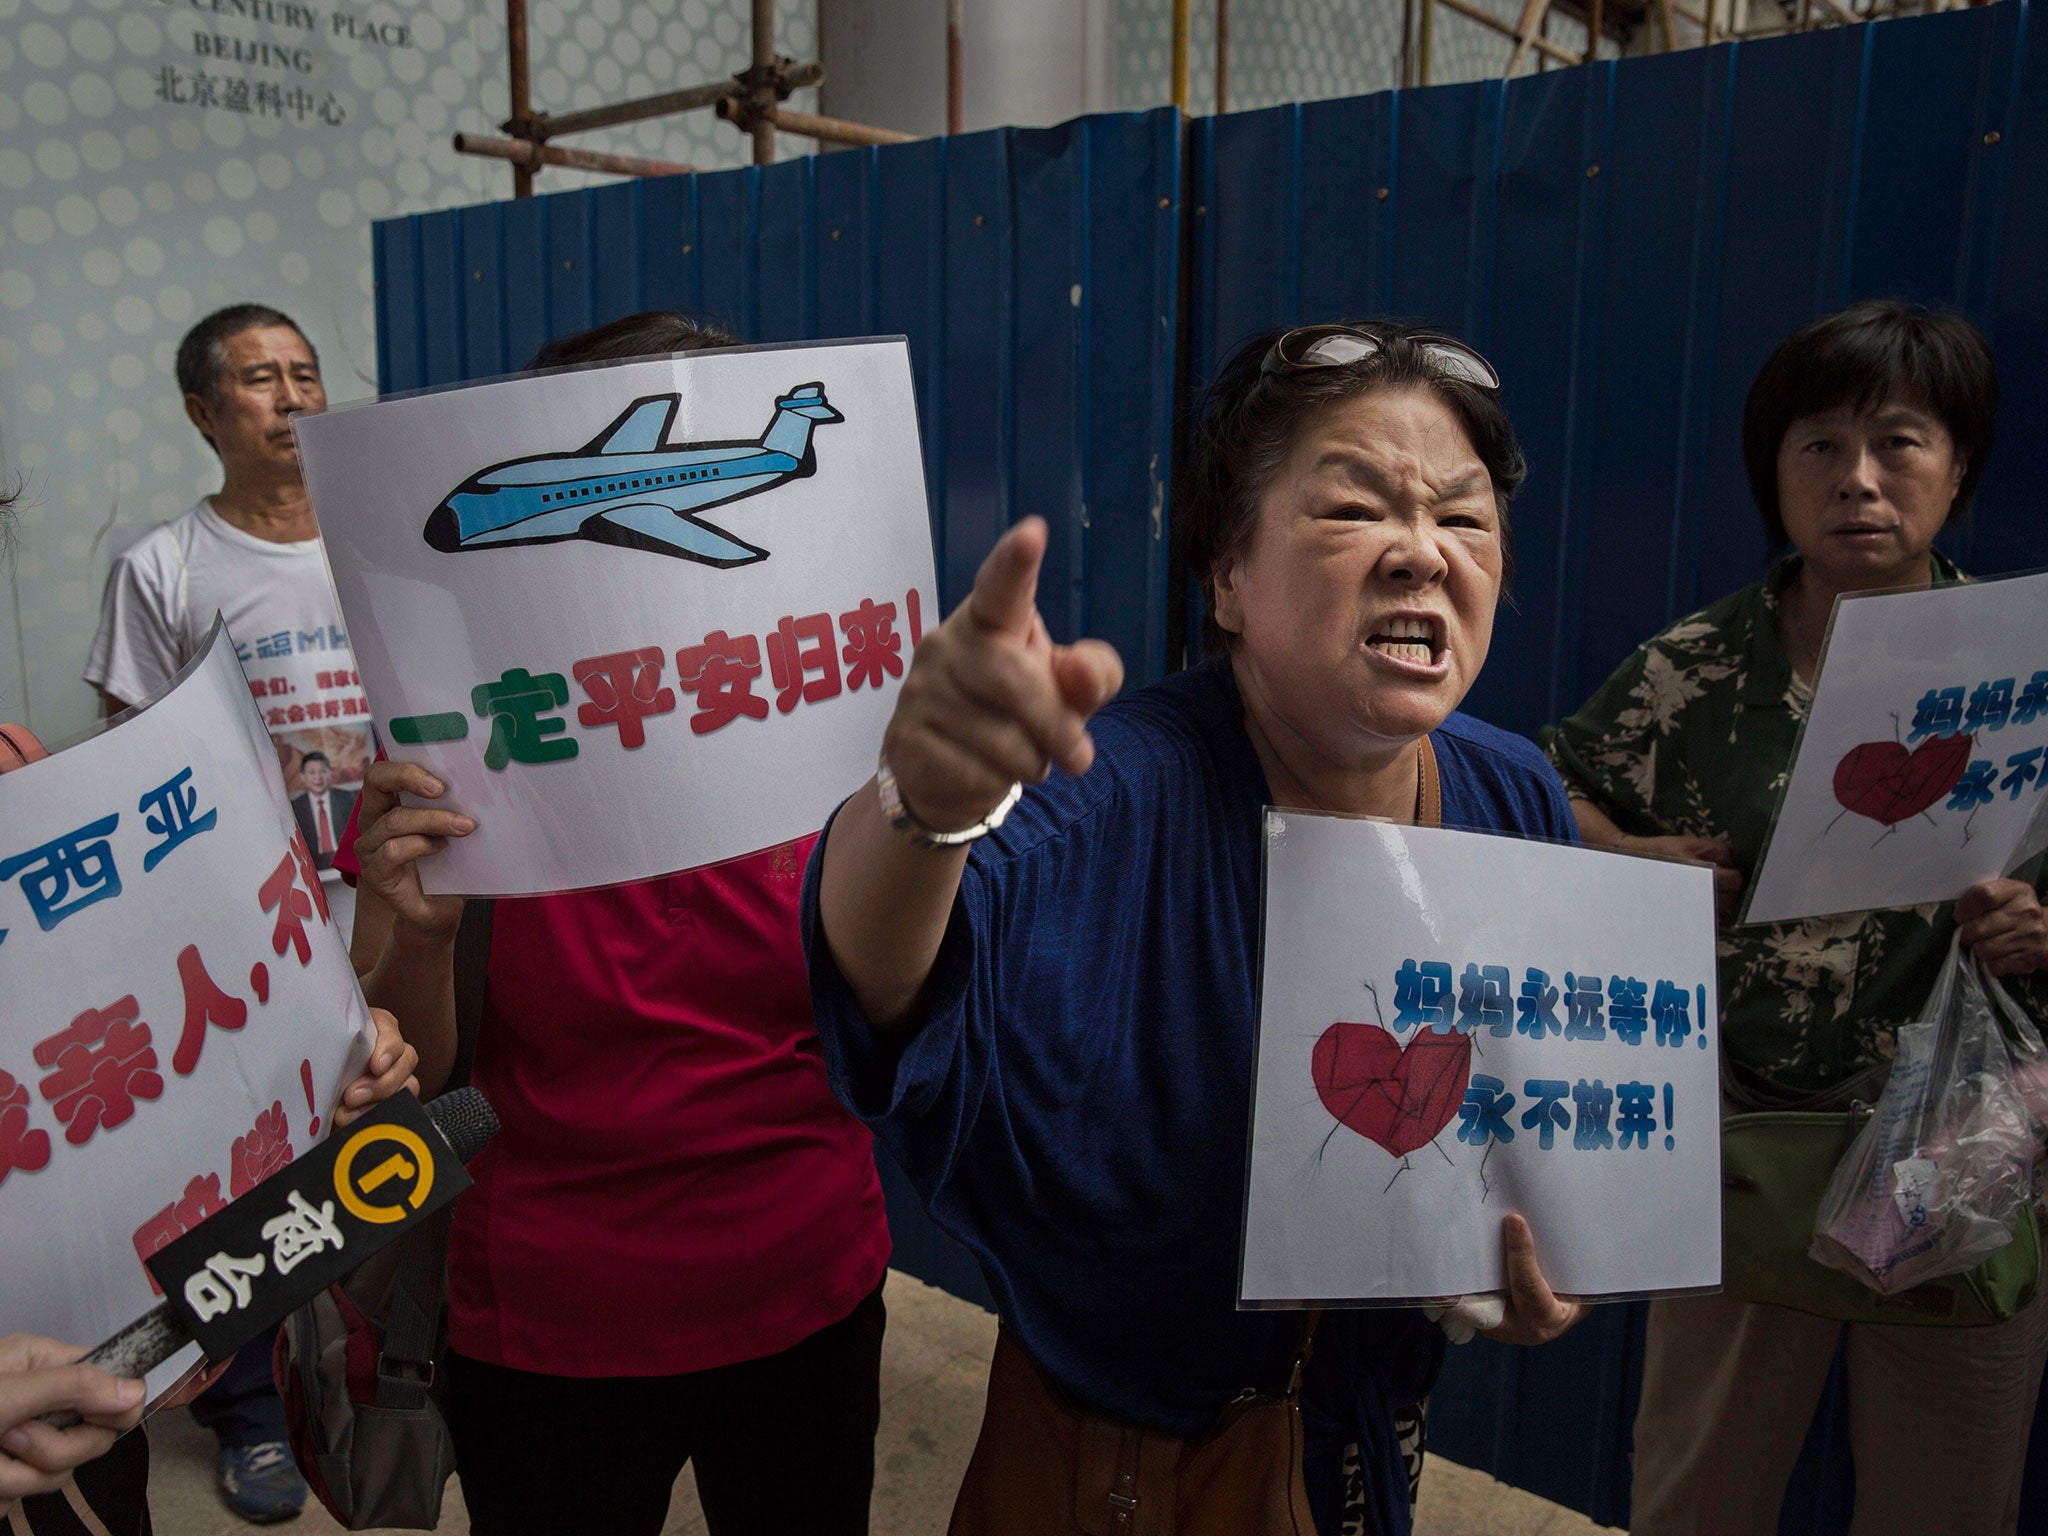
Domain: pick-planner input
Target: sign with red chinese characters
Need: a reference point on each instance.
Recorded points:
(180, 1015)
(638, 618)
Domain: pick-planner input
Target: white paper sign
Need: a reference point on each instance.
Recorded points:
(180, 1016)
(1454, 1026)
(1925, 756)
(638, 618)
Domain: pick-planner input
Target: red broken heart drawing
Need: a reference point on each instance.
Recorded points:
(1400, 1099)
(1885, 782)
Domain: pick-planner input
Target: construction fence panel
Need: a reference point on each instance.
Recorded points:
(1627, 243)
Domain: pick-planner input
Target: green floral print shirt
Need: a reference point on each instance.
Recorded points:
(1694, 735)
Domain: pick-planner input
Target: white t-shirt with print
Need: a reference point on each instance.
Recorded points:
(278, 600)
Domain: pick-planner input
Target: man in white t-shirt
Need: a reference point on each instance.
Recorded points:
(250, 552)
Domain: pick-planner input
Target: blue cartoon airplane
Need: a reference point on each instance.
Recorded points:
(631, 487)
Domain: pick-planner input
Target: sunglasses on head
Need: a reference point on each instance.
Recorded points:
(1335, 346)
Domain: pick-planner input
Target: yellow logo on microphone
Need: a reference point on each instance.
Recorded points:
(388, 1187)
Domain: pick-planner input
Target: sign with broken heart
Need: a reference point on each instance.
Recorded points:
(1453, 1026)
(1923, 765)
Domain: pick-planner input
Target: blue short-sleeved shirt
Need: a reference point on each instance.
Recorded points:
(1075, 1108)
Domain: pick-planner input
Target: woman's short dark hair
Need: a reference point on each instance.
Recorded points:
(1862, 357)
(1247, 420)
(651, 333)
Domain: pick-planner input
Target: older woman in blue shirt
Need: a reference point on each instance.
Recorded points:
(1052, 1025)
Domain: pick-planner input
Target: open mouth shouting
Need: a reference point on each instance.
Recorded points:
(1412, 642)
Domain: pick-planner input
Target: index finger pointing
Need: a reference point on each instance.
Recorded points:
(1005, 595)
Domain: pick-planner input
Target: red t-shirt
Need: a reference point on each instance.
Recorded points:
(674, 1187)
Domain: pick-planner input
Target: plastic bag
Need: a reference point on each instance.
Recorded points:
(2030, 1074)
(1935, 1182)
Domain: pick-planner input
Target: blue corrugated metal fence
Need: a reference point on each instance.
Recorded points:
(1625, 241)
(1034, 271)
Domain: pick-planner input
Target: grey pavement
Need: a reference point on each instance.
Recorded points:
(934, 1366)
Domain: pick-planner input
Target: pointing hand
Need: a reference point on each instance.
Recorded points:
(991, 700)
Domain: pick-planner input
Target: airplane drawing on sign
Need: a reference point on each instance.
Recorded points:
(632, 487)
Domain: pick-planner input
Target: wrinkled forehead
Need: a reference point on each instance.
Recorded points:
(1390, 441)
(279, 344)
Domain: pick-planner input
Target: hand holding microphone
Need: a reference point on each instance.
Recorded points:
(380, 1153)
(38, 1377)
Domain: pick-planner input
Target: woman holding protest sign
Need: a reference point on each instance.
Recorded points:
(1043, 999)
(1865, 434)
(674, 1250)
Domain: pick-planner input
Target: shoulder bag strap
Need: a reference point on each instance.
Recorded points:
(412, 1326)
(1304, 1349)
(1429, 798)
(472, 963)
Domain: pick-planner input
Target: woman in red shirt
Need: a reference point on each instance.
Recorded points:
(674, 1249)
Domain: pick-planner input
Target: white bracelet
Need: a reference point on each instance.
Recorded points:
(898, 814)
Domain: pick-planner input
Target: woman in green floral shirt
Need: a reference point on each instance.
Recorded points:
(1864, 435)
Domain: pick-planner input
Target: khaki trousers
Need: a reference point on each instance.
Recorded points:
(1938, 1418)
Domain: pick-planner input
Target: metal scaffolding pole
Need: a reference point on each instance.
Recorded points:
(665, 105)
(762, 96)
(956, 66)
(1492, 23)
(527, 156)
(522, 101)
(752, 101)
(827, 130)
(1180, 54)
(1222, 56)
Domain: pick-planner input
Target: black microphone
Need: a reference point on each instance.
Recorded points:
(465, 1119)
(466, 1123)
